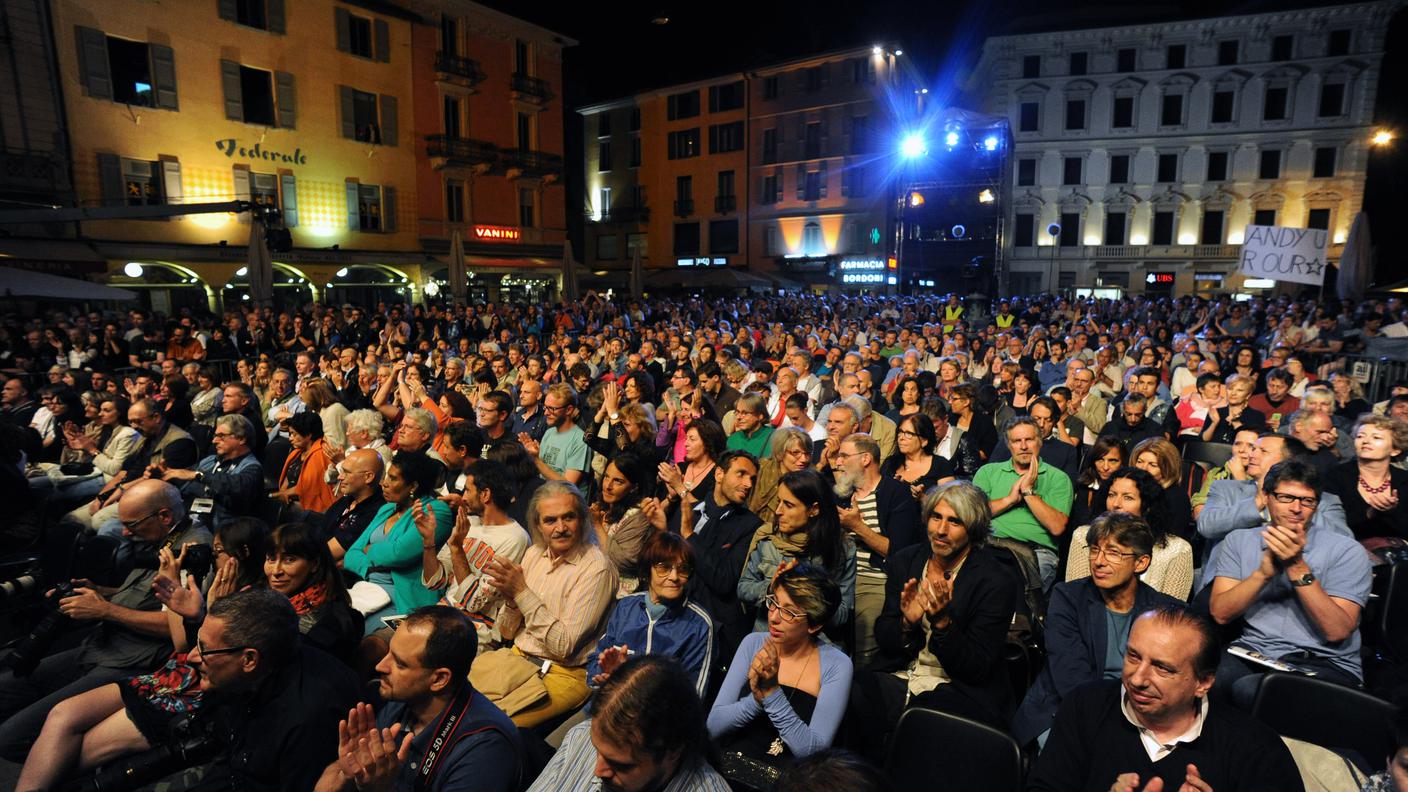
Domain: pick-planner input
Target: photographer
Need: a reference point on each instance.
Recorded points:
(130, 636)
(159, 443)
(230, 482)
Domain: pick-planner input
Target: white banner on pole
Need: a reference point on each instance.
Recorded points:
(1298, 255)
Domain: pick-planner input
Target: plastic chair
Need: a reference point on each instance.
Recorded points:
(1348, 721)
(1208, 455)
(926, 742)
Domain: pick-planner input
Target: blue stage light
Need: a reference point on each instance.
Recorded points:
(913, 146)
(951, 139)
(990, 143)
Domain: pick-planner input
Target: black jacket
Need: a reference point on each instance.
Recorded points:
(720, 552)
(986, 595)
(899, 522)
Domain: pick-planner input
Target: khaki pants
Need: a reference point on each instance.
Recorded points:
(870, 599)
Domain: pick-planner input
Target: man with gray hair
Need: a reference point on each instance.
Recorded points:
(1317, 430)
(841, 422)
(227, 484)
(417, 433)
(874, 424)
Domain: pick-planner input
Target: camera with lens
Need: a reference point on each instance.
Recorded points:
(199, 559)
(188, 745)
(28, 652)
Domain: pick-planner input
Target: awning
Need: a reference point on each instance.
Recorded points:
(49, 250)
(16, 282)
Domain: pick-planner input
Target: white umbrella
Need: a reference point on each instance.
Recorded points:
(261, 267)
(569, 273)
(637, 275)
(1356, 264)
(16, 282)
(459, 283)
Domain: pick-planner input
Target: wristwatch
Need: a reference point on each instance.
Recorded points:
(614, 417)
(1027, 493)
(1304, 580)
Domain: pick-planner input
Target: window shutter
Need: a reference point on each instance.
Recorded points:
(288, 193)
(344, 29)
(825, 130)
(226, 9)
(110, 180)
(388, 209)
(164, 75)
(349, 118)
(285, 99)
(234, 95)
(825, 75)
(354, 216)
(777, 186)
(275, 16)
(382, 45)
(822, 179)
(801, 137)
(171, 183)
(801, 182)
(388, 120)
(242, 189)
(93, 62)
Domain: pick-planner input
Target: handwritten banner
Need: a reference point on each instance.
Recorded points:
(1297, 255)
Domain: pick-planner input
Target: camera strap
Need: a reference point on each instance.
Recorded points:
(450, 721)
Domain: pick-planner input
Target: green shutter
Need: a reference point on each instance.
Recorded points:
(389, 120)
(110, 180)
(93, 62)
(354, 217)
(171, 183)
(284, 100)
(242, 192)
(388, 209)
(381, 48)
(275, 16)
(234, 93)
(349, 117)
(164, 76)
(288, 191)
(344, 29)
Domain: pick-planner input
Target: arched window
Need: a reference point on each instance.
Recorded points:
(812, 242)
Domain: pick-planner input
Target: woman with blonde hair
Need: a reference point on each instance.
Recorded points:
(791, 449)
(317, 395)
(1160, 459)
(1370, 485)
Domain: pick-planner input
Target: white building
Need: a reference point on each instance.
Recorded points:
(1152, 147)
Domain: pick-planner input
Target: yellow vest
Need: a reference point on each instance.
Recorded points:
(952, 314)
(1002, 323)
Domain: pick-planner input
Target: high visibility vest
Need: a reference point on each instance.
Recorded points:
(1004, 323)
(952, 313)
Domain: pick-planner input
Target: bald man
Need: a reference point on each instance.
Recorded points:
(131, 635)
(359, 484)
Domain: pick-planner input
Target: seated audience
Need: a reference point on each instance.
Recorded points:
(1134, 492)
(227, 484)
(303, 480)
(1028, 498)
(622, 527)
(789, 449)
(1369, 485)
(1160, 459)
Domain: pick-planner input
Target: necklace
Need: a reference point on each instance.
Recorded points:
(776, 747)
(1383, 486)
(690, 485)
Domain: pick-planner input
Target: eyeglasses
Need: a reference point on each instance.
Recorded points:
(906, 433)
(1110, 554)
(550, 408)
(1286, 499)
(662, 568)
(132, 524)
(213, 652)
(221, 435)
(788, 614)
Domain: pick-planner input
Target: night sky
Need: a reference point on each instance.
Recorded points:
(623, 50)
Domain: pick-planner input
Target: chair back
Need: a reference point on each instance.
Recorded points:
(1349, 721)
(1209, 455)
(966, 755)
(1393, 614)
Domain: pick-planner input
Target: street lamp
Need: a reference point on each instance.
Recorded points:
(1382, 137)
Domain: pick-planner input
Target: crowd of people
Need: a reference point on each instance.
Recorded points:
(692, 543)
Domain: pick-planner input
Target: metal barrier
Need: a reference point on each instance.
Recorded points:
(1375, 374)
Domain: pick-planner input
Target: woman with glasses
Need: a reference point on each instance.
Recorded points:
(1135, 492)
(806, 529)
(791, 449)
(916, 464)
(661, 619)
(786, 689)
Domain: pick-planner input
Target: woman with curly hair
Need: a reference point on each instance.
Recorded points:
(1136, 492)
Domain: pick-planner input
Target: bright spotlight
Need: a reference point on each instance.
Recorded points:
(132, 270)
(951, 139)
(432, 289)
(924, 90)
(342, 273)
(990, 143)
(913, 145)
(241, 272)
(986, 197)
(899, 52)
(916, 199)
(1383, 137)
(876, 50)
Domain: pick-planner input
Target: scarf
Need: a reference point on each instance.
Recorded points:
(792, 545)
(309, 599)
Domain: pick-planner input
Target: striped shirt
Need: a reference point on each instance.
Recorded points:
(865, 557)
(562, 610)
(573, 769)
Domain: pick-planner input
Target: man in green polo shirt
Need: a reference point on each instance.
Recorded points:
(752, 432)
(1030, 499)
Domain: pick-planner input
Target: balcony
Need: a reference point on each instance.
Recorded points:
(530, 88)
(526, 162)
(457, 69)
(444, 151)
(684, 207)
(723, 204)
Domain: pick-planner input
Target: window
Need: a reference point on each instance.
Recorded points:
(361, 36)
(1217, 166)
(812, 244)
(1119, 169)
(603, 156)
(1122, 112)
(638, 196)
(723, 236)
(1168, 168)
(811, 136)
(364, 117)
(1029, 117)
(1211, 233)
(862, 70)
(1222, 104)
(1031, 66)
(686, 239)
(603, 203)
(770, 87)
(452, 117)
(769, 146)
(1227, 52)
(1331, 100)
(853, 182)
(141, 182)
(1126, 60)
(1080, 63)
(1264, 217)
(1324, 167)
(369, 208)
(263, 189)
(726, 137)
(527, 205)
(1070, 229)
(635, 151)
(449, 35)
(815, 78)
(771, 191)
(525, 132)
(1274, 106)
(260, 14)
(1176, 56)
(725, 97)
(772, 241)
(603, 125)
(860, 134)
(250, 95)
(1114, 227)
(1319, 219)
(682, 105)
(813, 185)
(1338, 44)
(127, 72)
(1075, 114)
(1072, 170)
(1270, 165)
(726, 183)
(634, 124)
(1024, 235)
(131, 70)
(1171, 110)
(454, 201)
(1282, 47)
(684, 144)
(1163, 229)
(637, 242)
(1026, 172)
(608, 247)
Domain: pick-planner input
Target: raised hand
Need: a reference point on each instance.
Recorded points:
(226, 580)
(610, 659)
(461, 529)
(911, 605)
(762, 672)
(506, 576)
(425, 521)
(653, 512)
(184, 601)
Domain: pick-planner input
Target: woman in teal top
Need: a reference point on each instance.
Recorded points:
(388, 554)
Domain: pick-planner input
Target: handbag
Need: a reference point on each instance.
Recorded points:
(744, 771)
(508, 679)
(368, 597)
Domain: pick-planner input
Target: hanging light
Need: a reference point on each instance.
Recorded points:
(132, 270)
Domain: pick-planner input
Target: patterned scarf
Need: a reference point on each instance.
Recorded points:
(309, 599)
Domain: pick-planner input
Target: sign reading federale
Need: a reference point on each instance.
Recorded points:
(231, 148)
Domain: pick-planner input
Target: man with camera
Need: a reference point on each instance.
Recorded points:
(129, 633)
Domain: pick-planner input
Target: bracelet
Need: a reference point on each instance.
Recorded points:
(429, 547)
